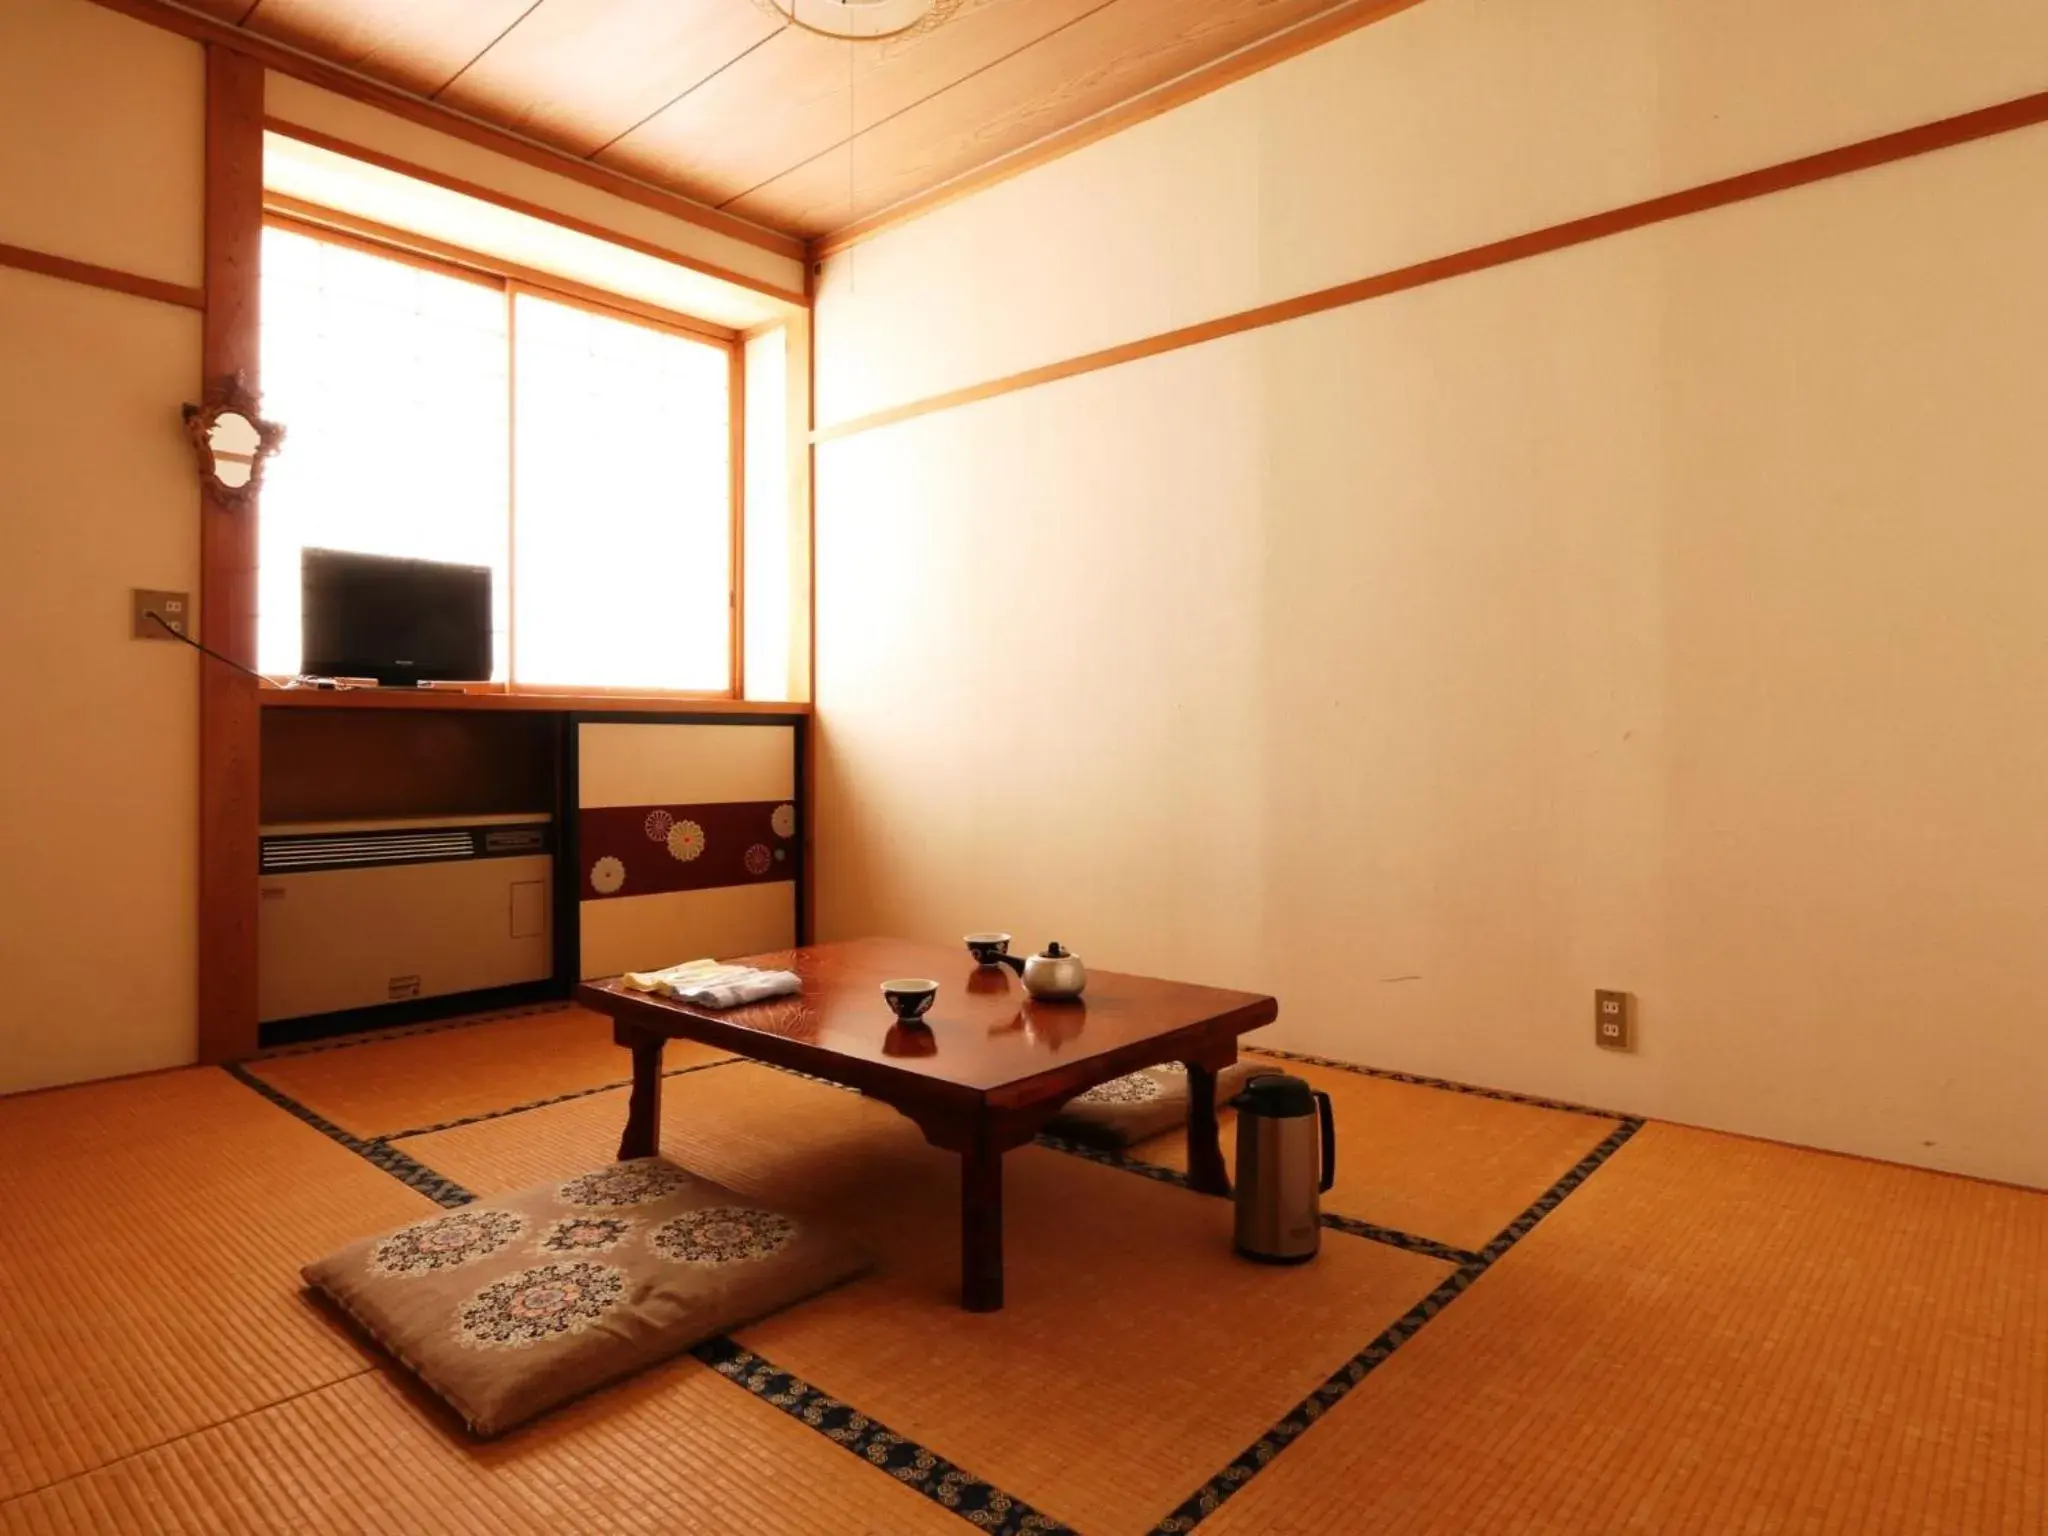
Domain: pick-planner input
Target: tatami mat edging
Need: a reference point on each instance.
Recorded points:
(552, 1099)
(1351, 1226)
(1207, 1499)
(436, 1187)
(409, 1031)
(1417, 1080)
(974, 1499)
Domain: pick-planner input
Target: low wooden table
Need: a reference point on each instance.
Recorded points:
(988, 1070)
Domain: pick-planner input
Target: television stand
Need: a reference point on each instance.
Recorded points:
(612, 776)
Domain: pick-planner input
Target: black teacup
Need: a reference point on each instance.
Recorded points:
(988, 948)
(910, 998)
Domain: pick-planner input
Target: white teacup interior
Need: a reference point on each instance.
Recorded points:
(910, 984)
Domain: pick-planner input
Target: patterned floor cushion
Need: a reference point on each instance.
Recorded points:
(512, 1305)
(1129, 1109)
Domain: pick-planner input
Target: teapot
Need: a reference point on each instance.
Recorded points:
(1055, 975)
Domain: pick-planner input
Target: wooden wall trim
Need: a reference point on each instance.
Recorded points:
(1865, 154)
(506, 200)
(287, 60)
(22, 259)
(736, 480)
(528, 700)
(229, 727)
(353, 230)
(1213, 76)
(807, 908)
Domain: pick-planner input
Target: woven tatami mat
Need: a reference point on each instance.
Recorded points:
(1136, 1354)
(413, 1080)
(1712, 1335)
(677, 1450)
(1452, 1166)
(153, 1233)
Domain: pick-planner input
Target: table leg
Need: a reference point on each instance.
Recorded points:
(643, 1111)
(981, 1228)
(1206, 1171)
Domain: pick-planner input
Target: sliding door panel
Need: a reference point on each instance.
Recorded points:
(688, 841)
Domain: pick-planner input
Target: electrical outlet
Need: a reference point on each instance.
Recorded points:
(175, 608)
(1614, 1024)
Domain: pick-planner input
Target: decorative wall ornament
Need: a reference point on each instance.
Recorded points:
(231, 440)
(685, 841)
(704, 847)
(862, 21)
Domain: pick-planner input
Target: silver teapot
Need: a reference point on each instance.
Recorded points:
(1055, 975)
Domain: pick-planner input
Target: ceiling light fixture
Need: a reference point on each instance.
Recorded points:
(862, 21)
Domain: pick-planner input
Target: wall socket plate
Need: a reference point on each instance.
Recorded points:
(1614, 1021)
(176, 608)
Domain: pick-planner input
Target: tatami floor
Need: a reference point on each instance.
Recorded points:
(1524, 1318)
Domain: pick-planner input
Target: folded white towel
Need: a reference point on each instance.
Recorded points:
(710, 984)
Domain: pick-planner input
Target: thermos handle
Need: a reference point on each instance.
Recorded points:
(1329, 1119)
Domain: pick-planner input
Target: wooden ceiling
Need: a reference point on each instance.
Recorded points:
(725, 103)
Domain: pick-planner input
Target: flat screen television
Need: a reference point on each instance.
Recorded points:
(399, 621)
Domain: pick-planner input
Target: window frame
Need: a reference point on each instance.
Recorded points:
(311, 221)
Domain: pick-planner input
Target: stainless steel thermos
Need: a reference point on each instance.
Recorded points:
(1282, 1166)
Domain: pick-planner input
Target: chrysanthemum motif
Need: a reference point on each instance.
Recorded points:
(445, 1242)
(657, 825)
(633, 1183)
(1138, 1088)
(722, 1234)
(549, 1302)
(607, 875)
(783, 820)
(759, 859)
(685, 841)
(586, 1234)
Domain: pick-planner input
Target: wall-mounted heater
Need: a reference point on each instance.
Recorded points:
(356, 913)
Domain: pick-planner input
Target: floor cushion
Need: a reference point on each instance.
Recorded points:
(1129, 1109)
(512, 1305)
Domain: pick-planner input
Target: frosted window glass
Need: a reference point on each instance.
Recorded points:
(622, 503)
(390, 382)
(584, 458)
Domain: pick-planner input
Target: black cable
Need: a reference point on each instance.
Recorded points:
(205, 650)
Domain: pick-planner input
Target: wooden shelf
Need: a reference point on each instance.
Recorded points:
(437, 699)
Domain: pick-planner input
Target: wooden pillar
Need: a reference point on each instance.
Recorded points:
(228, 723)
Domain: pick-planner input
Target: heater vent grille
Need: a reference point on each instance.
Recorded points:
(283, 855)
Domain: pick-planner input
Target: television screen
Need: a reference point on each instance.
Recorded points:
(399, 621)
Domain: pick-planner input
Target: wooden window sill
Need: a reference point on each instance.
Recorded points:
(273, 697)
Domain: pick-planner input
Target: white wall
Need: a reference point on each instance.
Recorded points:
(1664, 614)
(101, 160)
(1451, 124)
